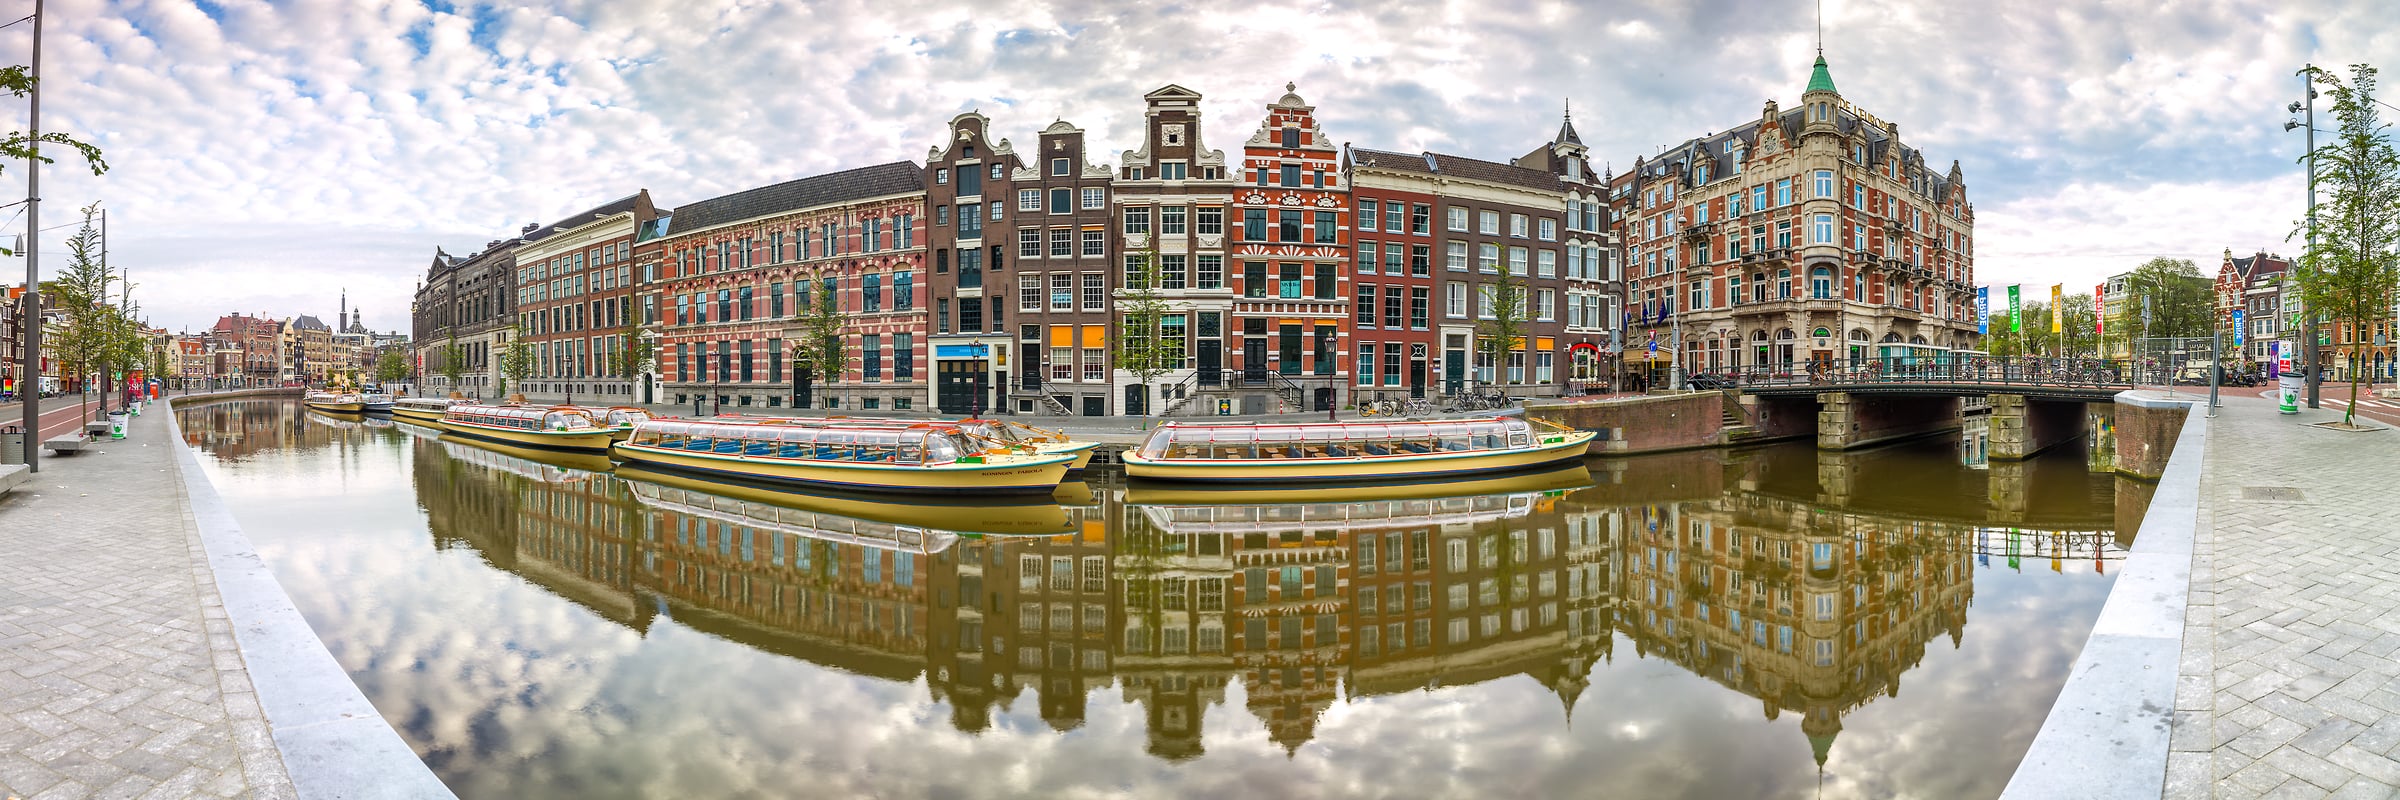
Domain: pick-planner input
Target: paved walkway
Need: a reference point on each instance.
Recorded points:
(119, 675)
(2289, 685)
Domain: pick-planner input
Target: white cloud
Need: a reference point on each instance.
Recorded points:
(268, 154)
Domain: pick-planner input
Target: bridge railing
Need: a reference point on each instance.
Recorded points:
(2070, 373)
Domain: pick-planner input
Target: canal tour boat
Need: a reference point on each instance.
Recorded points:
(619, 420)
(554, 427)
(426, 411)
(991, 432)
(1344, 452)
(334, 403)
(1557, 479)
(923, 457)
(375, 403)
(744, 503)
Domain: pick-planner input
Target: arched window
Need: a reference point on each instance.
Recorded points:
(1820, 284)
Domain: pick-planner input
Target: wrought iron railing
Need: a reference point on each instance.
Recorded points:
(2078, 373)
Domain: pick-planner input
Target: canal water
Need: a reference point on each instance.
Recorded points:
(1774, 622)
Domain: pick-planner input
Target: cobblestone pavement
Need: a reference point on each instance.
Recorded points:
(2289, 685)
(119, 675)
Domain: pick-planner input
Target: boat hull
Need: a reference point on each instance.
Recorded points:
(585, 441)
(376, 408)
(1082, 451)
(1031, 475)
(1359, 469)
(1019, 515)
(338, 408)
(419, 416)
(1557, 477)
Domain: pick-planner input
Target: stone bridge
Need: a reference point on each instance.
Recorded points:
(2033, 405)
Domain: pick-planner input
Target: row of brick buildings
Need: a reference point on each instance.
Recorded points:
(244, 350)
(2260, 286)
(1297, 274)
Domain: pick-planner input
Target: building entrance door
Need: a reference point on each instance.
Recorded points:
(1212, 362)
(962, 387)
(1254, 359)
(1454, 371)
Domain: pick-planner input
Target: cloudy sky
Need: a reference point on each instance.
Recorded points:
(266, 156)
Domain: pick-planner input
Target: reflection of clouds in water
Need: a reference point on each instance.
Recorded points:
(507, 688)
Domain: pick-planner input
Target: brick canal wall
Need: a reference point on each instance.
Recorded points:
(1642, 424)
(2146, 429)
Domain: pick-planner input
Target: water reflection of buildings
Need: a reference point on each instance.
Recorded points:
(234, 430)
(1812, 610)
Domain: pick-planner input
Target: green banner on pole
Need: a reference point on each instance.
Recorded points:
(2016, 313)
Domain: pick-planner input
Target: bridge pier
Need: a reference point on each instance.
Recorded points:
(2023, 427)
(2008, 490)
(1847, 420)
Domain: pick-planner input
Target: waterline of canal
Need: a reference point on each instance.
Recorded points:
(1769, 622)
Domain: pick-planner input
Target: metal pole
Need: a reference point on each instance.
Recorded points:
(31, 312)
(2216, 364)
(2308, 322)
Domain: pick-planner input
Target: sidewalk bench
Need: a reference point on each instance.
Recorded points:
(94, 429)
(65, 445)
(13, 476)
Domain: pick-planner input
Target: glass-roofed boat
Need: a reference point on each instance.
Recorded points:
(1350, 451)
(344, 403)
(555, 427)
(989, 433)
(375, 403)
(422, 410)
(619, 420)
(922, 457)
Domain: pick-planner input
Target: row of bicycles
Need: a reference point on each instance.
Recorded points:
(1410, 406)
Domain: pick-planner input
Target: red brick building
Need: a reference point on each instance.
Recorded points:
(1293, 260)
(1393, 310)
(1171, 198)
(1065, 277)
(740, 271)
(574, 285)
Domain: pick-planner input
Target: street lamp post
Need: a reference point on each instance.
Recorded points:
(30, 314)
(2308, 316)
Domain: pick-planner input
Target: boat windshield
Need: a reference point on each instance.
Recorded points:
(862, 445)
(1335, 440)
(625, 416)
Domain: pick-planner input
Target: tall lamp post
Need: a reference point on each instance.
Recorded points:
(2308, 316)
(30, 314)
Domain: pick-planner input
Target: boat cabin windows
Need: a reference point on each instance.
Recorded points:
(1352, 440)
(866, 444)
(525, 418)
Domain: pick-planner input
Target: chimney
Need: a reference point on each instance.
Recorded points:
(530, 227)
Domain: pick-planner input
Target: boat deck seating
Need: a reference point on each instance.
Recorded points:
(65, 445)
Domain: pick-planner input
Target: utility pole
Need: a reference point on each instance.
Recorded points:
(31, 313)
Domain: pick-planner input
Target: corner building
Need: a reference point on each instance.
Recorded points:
(1810, 235)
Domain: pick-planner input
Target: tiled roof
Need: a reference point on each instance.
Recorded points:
(1456, 167)
(309, 323)
(897, 177)
(612, 207)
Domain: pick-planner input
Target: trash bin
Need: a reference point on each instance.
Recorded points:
(12, 445)
(116, 424)
(2288, 392)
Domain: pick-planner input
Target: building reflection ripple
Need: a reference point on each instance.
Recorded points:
(1798, 579)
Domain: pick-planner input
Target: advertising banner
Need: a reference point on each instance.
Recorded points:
(2100, 309)
(1983, 309)
(2237, 328)
(2016, 314)
(2057, 309)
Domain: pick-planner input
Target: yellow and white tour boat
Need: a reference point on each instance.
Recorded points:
(375, 403)
(554, 427)
(426, 411)
(334, 403)
(1343, 452)
(619, 420)
(991, 432)
(936, 515)
(924, 457)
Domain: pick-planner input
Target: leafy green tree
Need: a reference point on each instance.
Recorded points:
(20, 145)
(85, 339)
(392, 367)
(2181, 302)
(454, 361)
(516, 359)
(821, 349)
(1504, 330)
(633, 354)
(2347, 270)
(1142, 346)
